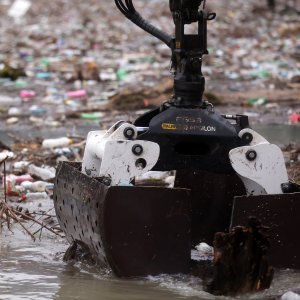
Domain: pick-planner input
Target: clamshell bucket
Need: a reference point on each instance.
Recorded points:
(139, 230)
(225, 173)
(136, 231)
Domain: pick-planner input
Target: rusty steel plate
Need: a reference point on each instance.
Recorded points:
(211, 199)
(137, 231)
(281, 214)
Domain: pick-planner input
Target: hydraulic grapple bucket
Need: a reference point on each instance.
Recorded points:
(225, 173)
(139, 231)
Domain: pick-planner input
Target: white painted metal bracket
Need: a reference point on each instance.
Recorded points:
(260, 165)
(118, 155)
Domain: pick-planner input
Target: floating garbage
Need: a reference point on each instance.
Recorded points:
(11, 72)
(9, 101)
(35, 196)
(255, 102)
(37, 111)
(19, 8)
(43, 75)
(20, 166)
(57, 143)
(77, 94)
(14, 111)
(6, 154)
(42, 173)
(290, 296)
(12, 181)
(11, 121)
(37, 186)
(294, 118)
(92, 116)
(27, 95)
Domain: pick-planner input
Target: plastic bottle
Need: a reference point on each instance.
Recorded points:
(92, 116)
(26, 185)
(37, 186)
(35, 196)
(121, 74)
(43, 75)
(20, 165)
(57, 143)
(294, 118)
(19, 8)
(4, 154)
(37, 111)
(77, 94)
(12, 181)
(42, 173)
(8, 101)
(27, 94)
(12, 120)
(14, 111)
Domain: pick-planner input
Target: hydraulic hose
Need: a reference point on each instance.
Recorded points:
(128, 10)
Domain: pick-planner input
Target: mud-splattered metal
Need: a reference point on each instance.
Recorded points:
(136, 231)
(281, 214)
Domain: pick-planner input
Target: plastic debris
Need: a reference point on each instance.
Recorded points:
(6, 154)
(294, 118)
(35, 196)
(12, 120)
(19, 8)
(37, 186)
(8, 101)
(37, 111)
(290, 296)
(57, 143)
(12, 181)
(92, 116)
(14, 111)
(42, 173)
(27, 94)
(205, 250)
(20, 166)
(77, 94)
(255, 102)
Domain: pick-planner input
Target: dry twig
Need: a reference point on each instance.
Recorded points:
(9, 214)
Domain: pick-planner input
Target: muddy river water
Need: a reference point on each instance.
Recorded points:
(35, 270)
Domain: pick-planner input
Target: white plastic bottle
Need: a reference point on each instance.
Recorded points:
(36, 196)
(20, 165)
(56, 143)
(5, 154)
(37, 186)
(42, 173)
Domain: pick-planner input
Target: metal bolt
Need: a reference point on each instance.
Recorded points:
(129, 133)
(141, 163)
(137, 150)
(251, 155)
(247, 138)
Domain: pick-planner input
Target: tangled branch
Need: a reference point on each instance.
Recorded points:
(9, 214)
